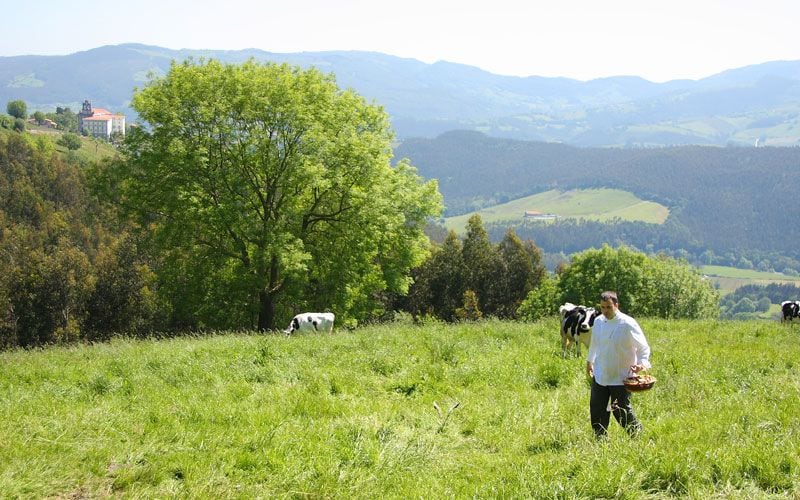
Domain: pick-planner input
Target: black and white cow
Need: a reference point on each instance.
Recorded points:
(576, 326)
(790, 309)
(311, 322)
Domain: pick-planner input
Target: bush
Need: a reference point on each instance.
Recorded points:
(70, 141)
(540, 302)
(648, 286)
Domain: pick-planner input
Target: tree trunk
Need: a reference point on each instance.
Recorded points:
(266, 312)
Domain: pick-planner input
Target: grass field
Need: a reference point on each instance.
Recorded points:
(731, 278)
(354, 415)
(591, 204)
(91, 149)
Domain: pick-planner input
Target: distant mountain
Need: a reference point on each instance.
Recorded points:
(738, 106)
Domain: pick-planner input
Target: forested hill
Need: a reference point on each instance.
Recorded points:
(727, 198)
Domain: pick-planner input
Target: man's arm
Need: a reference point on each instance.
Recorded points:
(641, 347)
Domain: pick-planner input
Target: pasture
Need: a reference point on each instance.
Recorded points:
(591, 204)
(487, 409)
(729, 279)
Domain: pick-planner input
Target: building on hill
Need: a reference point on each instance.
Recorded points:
(99, 122)
(536, 215)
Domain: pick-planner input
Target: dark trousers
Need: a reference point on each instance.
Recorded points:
(621, 407)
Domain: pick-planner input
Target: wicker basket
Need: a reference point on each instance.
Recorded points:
(638, 383)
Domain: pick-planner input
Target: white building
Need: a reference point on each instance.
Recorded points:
(99, 122)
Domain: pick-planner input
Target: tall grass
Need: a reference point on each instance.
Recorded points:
(488, 409)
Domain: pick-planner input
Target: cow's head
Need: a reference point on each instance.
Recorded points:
(294, 325)
(591, 315)
(585, 317)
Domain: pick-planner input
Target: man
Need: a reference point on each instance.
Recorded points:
(618, 347)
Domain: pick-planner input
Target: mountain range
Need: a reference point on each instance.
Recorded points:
(758, 104)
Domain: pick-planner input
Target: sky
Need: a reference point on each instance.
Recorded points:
(659, 40)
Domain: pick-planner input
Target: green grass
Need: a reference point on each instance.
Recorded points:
(750, 274)
(730, 278)
(352, 416)
(91, 149)
(590, 204)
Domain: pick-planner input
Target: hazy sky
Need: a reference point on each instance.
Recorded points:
(659, 40)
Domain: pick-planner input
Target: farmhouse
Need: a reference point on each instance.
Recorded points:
(99, 122)
(536, 215)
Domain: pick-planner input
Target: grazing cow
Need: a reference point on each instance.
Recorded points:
(576, 325)
(313, 322)
(790, 309)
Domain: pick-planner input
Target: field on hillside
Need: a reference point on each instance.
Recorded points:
(91, 149)
(730, 278)
(590, 204)
(487, 409)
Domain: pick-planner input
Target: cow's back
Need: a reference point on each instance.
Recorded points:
(326, 322)
(312, 322)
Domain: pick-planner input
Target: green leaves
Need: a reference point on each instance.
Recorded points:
(647, 286)
(275, 175)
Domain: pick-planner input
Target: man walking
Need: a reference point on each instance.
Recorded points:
(618, 347)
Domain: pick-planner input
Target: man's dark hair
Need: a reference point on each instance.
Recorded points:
(609, 295)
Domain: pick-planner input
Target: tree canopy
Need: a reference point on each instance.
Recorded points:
(70, 141)
(266, 191)
(648, 286)
(17, 109)
(476, 278)
(66, 273)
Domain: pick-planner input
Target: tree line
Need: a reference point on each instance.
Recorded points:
(64, 118)
(564, 237)
(465, 280)
(748, 301)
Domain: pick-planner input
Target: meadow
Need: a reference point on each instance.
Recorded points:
(590, 204)
(729, 279)
(486, 409)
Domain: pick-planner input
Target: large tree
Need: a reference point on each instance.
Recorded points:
(440, 282)
(269, 190)
(484, 268)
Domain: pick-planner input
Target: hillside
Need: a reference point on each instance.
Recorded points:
(721, 199)
(91, 150)
(729, 279)
(739, 106)
(591, 204)
(487, 409)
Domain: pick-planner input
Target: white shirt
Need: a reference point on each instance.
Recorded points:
(616, 345)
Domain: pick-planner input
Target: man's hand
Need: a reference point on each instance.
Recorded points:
(589, 369)
(637, 368)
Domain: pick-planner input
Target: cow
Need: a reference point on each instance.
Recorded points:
(576, 324)
(790, 309)
(312, 322)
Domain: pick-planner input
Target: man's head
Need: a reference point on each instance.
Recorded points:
(609, 304)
